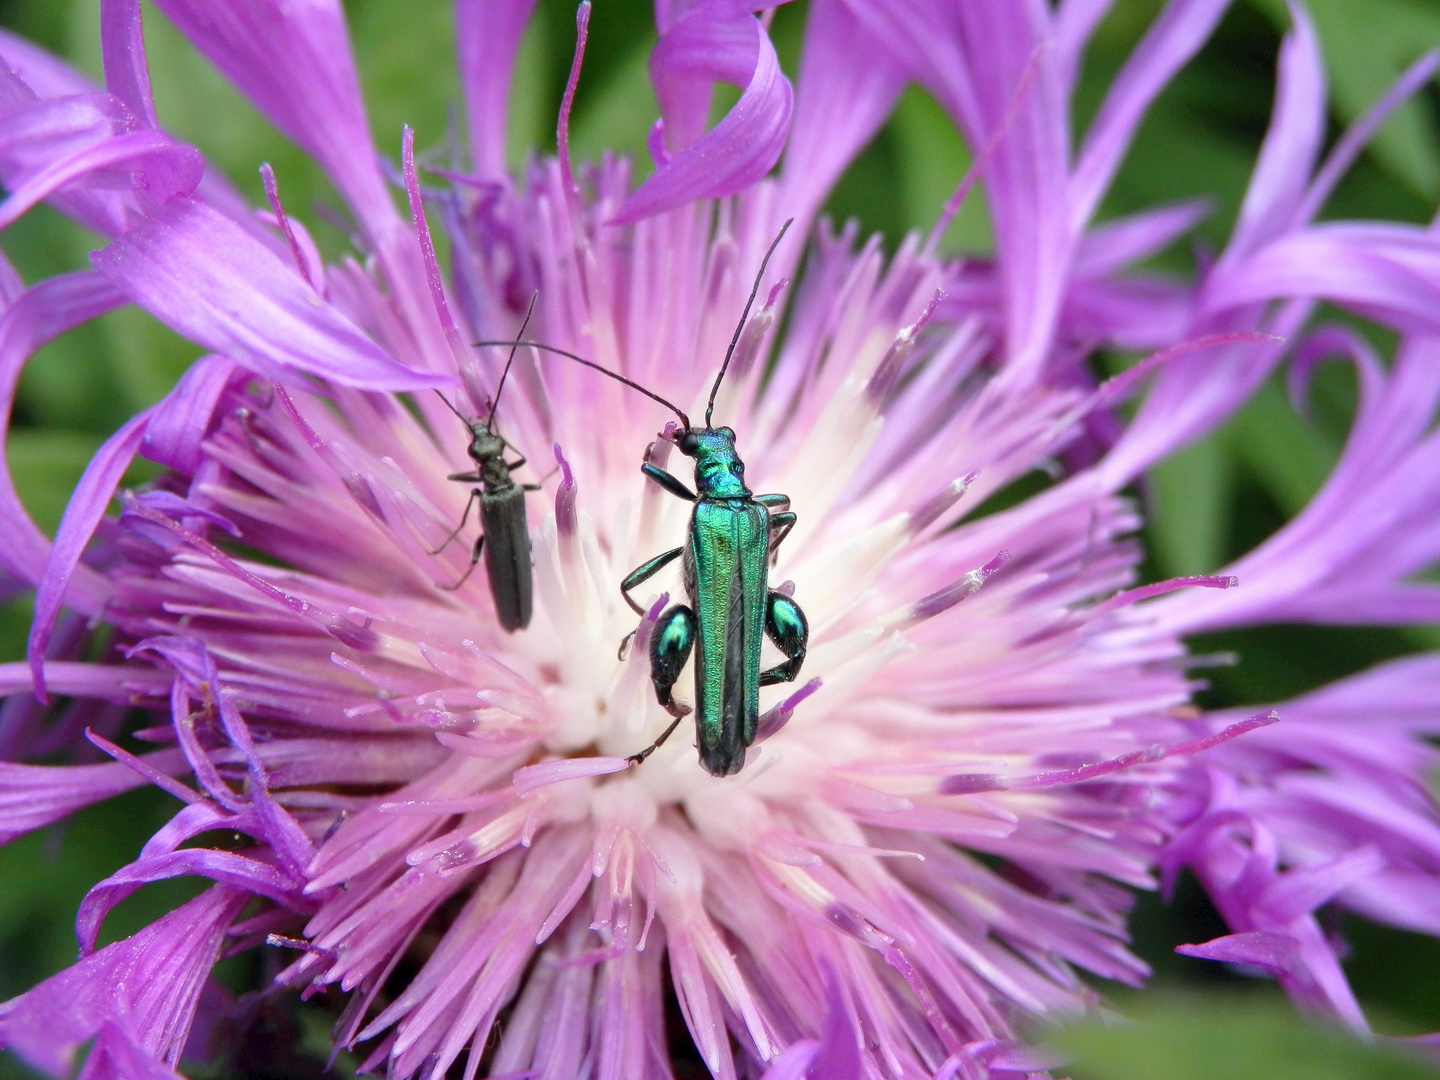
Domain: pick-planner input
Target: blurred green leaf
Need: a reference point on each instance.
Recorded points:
(147, 357)
(44, 876)
(406, 56)
(46, 465)
(1289, 458)
(617, 114)
(15, 628)
(1231, 1036)
(932, 160)
(1188, 510)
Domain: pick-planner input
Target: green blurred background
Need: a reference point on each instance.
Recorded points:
(1206, 505)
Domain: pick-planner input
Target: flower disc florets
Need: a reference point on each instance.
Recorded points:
(938, 656)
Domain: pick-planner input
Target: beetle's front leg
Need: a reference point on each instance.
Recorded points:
(669, 649)
(780, 526)
(786, 626)
(672, 484)
(643, 573)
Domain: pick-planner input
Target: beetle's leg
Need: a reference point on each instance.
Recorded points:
(775, 502)
(669, 649)
(645, 572)
(780, 526)
(643, 754)
(513, 465)
(474, 494)
(668, 482)
(531, 487)
(786, 626)
(474, 559)
(466, 477)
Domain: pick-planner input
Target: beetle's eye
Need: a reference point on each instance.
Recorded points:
(739, 468)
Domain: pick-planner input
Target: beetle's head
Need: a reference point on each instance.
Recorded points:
(483, 442)
(719, 472)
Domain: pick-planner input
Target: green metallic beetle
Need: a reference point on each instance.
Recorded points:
(732, 537)
(726, 561)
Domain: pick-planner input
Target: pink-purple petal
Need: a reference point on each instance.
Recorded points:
(292, 59)
(1292, 144)
(173, 170)
(150, 983)
(45, 73)
(122, 47)
(118, 1054)
(36, 795)
(181, 420)
(36, 133)
(200, 273)
(487, 38)
(714, 41)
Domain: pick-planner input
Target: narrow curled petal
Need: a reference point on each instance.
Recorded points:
(36, 795)
(122, 44)
(992, 68)
(1122, 241)
(44, 72)
(1344, 793)
(1349, 146)
(1387, 271)
(181, 421)
(36, 316)
(180, 165)
(1348, 556)
(1292, 143)
(198, 271)
(82, 515)
(1177, 34)
(714, 41)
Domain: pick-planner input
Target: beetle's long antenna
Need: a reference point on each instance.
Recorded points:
(452, 408)
(685, 420)
(495, 403)
(710, 405)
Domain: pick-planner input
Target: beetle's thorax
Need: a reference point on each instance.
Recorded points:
(719, 472)
(488, 453)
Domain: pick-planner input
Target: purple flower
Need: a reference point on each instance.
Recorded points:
(992, 741)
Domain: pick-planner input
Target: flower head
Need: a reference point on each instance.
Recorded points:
(990, 741)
